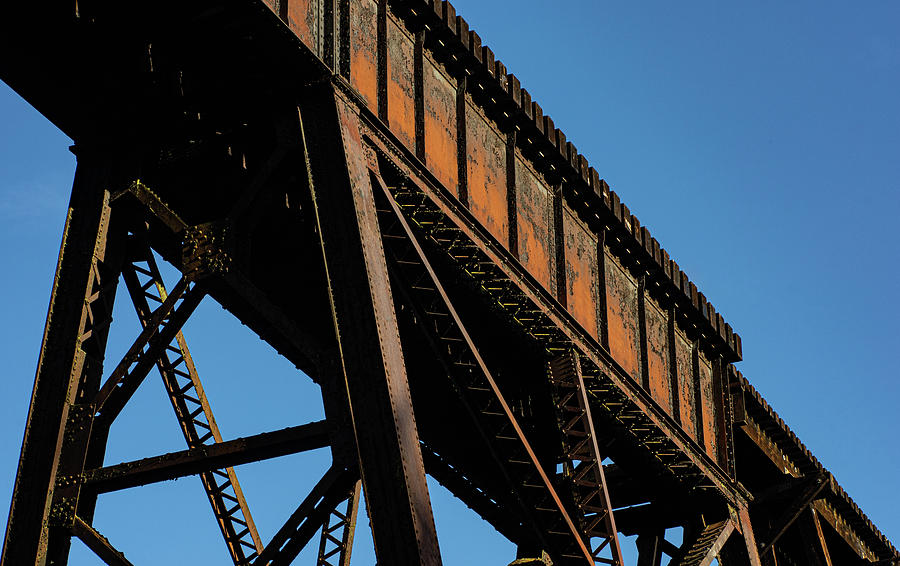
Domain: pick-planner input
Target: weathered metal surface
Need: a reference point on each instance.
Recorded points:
(814, 539)
(708, 412)
(401, 82)
(497, 260)
(165, 322)
(306, 18)
(188, 398)
(440, 123)
(685, 376)
(68, 375)
(810, 492)
(364, 50)
(527, 305)
(535, 223)
(745, 526)
(583, 460)
(98, 543)
(524, 229)
(485, 183)
(486, 171)
(390, 460)
(707, 545)
(482, 394)
(622, 316)
(581, 272)
(656, 324)
(310, 516)
(336, 542)
(224, 454)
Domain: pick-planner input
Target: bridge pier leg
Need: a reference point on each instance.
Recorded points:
(365, 322)
(47, 497)
(749, 538)
(741, 549)
(650, 548)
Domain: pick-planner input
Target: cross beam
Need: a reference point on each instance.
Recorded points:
(214, 456)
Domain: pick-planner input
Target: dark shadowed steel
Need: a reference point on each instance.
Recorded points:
(366, 186)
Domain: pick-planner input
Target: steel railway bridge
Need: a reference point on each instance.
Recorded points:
(364, 185)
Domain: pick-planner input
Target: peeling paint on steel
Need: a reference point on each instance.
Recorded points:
(303, 17)
(685, 383)
(486, 168)
(657, 354)
(581, 272)
(622, 317)
(363, 51)
(401, 89)
(440, 124)
(535, 223)
(709, 407)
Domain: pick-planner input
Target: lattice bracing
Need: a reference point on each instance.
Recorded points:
(195, 418)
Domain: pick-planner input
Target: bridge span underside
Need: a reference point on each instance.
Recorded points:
(365, 186)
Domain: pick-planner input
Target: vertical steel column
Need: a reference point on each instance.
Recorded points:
(368, 337)
(741, 550)
(746, 528)
(68, 376)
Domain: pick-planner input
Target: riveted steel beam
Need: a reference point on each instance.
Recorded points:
(482, 390)
(366, 328)
(68, 375)
(205, 458)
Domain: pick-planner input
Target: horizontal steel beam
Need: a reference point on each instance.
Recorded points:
(204, 458)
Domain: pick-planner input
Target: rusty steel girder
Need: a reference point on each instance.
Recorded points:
(365, 186)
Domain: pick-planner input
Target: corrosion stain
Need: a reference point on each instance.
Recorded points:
(440, 124)
(622, 317)
(363, 50)
(401, 84)
(535, 223)
(685, 376)
(656, 322)
(710, 410)
(303, 18)
(581, 272)
(486, 162)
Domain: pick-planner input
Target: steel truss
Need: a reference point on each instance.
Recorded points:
(452, 233)
(161, 343)
(365, 186)
(195, 417)
(474, 382)
(388, 237)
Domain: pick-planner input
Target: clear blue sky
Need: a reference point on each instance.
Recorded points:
(759, 143)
